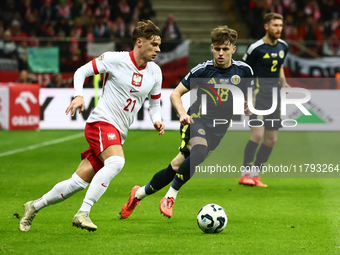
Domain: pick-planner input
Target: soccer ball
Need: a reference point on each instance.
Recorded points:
(212, 218)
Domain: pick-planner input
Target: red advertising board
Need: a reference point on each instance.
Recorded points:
(23, 106)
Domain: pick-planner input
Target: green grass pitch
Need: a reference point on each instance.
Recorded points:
(291, 216)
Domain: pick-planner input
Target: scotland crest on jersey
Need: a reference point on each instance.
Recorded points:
(235, 79)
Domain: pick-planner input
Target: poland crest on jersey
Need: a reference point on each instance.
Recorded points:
(111, 136)
(137, 79)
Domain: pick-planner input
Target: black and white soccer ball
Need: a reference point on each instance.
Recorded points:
(212, 218)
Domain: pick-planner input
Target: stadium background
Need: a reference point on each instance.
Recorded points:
(76, 27)
(292, 216)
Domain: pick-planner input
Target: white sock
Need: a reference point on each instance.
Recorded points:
(171, 193)
(61, 191)
(245, 172)
(254, 173)
(140, 193)
(101, 181)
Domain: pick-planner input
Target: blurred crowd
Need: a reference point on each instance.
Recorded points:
(313, 23)
(70, 25)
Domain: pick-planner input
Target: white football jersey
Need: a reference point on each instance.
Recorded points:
(125, 87)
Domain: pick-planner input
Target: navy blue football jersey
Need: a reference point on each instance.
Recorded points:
(266, 61)
(219, 100)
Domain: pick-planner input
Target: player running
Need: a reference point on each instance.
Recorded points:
(197, 131)
(266, 57)
(129, 77)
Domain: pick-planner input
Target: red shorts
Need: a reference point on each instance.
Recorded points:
(99, 135)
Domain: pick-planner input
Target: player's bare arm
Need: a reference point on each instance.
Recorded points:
(283, 81)
(176, 102)
(247, 112)
(78, 101)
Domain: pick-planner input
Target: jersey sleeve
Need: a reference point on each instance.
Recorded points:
(286, 51)
(155, 110)
(248, 80)
(249, 57)
(95, 66)
(155, 92)
(192, 74)
(105, 62)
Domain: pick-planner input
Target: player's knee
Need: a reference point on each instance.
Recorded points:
(256, 138)
(274, 140)
(79, 181)
(114, 165)
(198, 153)
(177, 161)
(270, 141)
(174, 166)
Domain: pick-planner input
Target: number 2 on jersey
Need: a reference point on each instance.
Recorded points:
(129, 101)
(273, 69)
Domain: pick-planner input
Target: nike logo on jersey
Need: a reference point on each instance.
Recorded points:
(104, 185)
(132, 91)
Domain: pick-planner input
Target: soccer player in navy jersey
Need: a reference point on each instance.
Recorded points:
(266, 57)
(199, 136)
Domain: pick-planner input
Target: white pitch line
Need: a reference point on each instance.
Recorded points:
(32, 147)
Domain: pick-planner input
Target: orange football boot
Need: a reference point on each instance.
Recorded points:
(247, 180)
(166, 205)
(130, 204)
(258, 183)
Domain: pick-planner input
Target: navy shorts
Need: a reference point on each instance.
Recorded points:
(210, 134)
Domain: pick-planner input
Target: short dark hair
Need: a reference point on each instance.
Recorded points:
(270, 16)
(145, 29)
(223, 33)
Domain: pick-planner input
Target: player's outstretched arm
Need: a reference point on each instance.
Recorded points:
(176, 102)
(159, 126)
(78, 101)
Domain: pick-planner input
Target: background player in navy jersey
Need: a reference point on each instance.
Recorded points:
(266, 57)
(201, 137)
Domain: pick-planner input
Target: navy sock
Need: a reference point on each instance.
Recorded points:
(187, 168)
(249, 153)
(262, 155)
(160, 180)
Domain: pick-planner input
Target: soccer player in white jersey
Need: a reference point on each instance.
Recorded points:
(129, 77)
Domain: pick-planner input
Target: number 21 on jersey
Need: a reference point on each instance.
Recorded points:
(130, 105)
